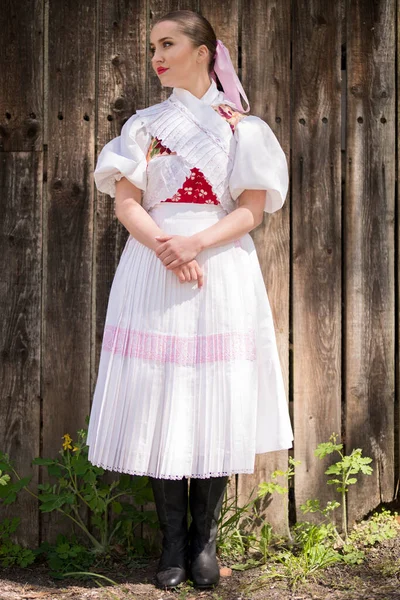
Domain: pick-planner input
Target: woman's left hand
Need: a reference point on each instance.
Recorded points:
(176, 250)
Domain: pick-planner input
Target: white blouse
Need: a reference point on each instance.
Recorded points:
(251, 158)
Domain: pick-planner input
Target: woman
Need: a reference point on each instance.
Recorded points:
(189, 382)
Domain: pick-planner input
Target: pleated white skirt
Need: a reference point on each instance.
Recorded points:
(189, 380)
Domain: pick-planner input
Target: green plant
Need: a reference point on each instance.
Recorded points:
(269, 487)
(313, 506)
(10, 553)
(234, 541)
(344, 469)
(316, 546)
(79, 484)
(311, 551)
(230, 540)
(379, 527)
(184, 589)
(390, 568)
(65, 555)
(4, 479)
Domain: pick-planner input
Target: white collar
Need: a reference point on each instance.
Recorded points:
(212, 96)
(201, 109)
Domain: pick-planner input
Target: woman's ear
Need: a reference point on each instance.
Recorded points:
(202, 53)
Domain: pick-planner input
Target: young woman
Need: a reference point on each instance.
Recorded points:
(189, 382)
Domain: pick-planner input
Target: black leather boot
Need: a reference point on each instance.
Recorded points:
(171, 499)
(205, 500)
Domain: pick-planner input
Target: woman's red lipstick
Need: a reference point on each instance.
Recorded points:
(161, 70)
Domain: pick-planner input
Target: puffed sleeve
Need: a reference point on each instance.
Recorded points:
(259, 163)
(124, 156)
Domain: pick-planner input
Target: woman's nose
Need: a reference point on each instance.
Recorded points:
(157, 57)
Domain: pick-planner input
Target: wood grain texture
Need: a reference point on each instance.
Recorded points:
(68, 229)
(265, 73)
(369, 259)
(316, 240)
(396, 457)
(21, 172)
(21, 68)
(20, 305)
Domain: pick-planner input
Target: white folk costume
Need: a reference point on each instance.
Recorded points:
(189, 381)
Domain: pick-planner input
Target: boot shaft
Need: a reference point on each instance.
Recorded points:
(171, 500)
(205, 500)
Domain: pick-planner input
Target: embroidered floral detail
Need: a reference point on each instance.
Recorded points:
(182, 350)
(199, 192)
(157, 149)
(179, 130)
(229, 114)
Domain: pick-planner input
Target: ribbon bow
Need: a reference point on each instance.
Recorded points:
(226, 73)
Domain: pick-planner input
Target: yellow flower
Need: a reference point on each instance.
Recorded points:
(67, 441)
(75, 448)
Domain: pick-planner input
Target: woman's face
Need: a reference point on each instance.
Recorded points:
(173, 56)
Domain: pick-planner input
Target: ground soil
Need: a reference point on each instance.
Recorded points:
(377, 578)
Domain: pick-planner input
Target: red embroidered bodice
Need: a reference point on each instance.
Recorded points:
(196, 188)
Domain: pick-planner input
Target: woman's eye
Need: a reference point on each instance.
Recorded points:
(152, 50)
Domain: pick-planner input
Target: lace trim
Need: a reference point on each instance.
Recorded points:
(179, 130)
(165, 476)
(108, 185)
(168, 175)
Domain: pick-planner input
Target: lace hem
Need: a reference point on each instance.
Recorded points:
(165, 476)
(108, 185)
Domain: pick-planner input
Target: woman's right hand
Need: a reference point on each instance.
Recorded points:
(190, 271)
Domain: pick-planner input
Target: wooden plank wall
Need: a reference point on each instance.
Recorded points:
(265, 73)
(68, 230)
(322, 74)
(316, 256)
(370, 327)
(22, 168)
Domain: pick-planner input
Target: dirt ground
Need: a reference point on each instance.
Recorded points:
(377, 578)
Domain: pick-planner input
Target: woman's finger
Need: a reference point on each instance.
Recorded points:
(200, 276)
(193, 273)
(165, 253)
(175, 263)
(187, 272)
(180, 275)
(168, 260)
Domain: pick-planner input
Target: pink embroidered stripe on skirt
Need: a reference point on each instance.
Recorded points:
(178, 349)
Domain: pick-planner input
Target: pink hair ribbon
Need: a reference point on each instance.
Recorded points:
(226, 73)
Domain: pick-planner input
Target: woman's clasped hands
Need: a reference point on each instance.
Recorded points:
(177, 253)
